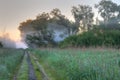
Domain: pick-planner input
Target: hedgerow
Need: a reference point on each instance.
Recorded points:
(93, 38)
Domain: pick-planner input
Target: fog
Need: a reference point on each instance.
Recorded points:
(58, 32)
(20, 44)
(7, 42)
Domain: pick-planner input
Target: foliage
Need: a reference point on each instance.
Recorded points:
(9, 60)
(83, 16)
(93, 38)
(60, 19)
(75, 64)
(40, 23)
(36, 31)
(23, 71)
(40, 41)
(37, 34)
(22, 26)
(108, 27)
(108, 10)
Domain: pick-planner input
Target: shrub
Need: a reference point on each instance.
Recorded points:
(93, 38)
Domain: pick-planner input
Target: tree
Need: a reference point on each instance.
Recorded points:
(1, 45)
(40, 23)
(118, 16)
(60, 19)
(83, 16)
(107, 10)
(36, 40)
(38, 34)
(25, 26)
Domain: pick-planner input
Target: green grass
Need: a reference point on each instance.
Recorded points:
(23, 71)
(9, 60)
(63, 64)
(36, 68)
(75, 64)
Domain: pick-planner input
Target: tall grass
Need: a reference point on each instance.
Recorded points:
(23, 71)
(87, 64)
(9, 60)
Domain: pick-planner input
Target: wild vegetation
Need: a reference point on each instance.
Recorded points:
(80, 64)
(94, 38)
(22, 73)
(40, 32)
(61, 64)
(83, 58)
(9, 61)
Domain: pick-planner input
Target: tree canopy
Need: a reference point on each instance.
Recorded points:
(37, 32)
(109, 11)
(83, 16)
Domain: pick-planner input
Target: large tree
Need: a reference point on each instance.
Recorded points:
(60, 19)
(108, 10)
(118, 16)
(37, 34)
(40, 23)
(83, 16)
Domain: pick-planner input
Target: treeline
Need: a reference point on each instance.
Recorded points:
(93, 38)
(41, 32)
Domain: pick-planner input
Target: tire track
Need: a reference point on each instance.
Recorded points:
(31, 69)
(41, 69)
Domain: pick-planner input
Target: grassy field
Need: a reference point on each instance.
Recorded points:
(60, 64)
(10, 59)
(80, 64)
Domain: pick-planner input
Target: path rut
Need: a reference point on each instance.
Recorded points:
(41, 69)
(31, 69)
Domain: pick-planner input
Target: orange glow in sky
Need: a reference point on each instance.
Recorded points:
(15, 35)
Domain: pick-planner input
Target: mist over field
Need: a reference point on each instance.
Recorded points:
(7, 41)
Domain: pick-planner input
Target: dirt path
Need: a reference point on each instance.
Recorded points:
(31, 69)
(41, 69)
(15, 77)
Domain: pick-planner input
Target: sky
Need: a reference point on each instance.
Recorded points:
(13, 12)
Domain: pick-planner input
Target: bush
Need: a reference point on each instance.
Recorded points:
(93, 38)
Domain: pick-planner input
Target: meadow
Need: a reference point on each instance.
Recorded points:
(80, 64)
(10, 59)
(60, 64)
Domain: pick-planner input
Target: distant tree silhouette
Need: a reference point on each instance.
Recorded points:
(60, 19)
(1, 45)
(83, 16)
(109, 11)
